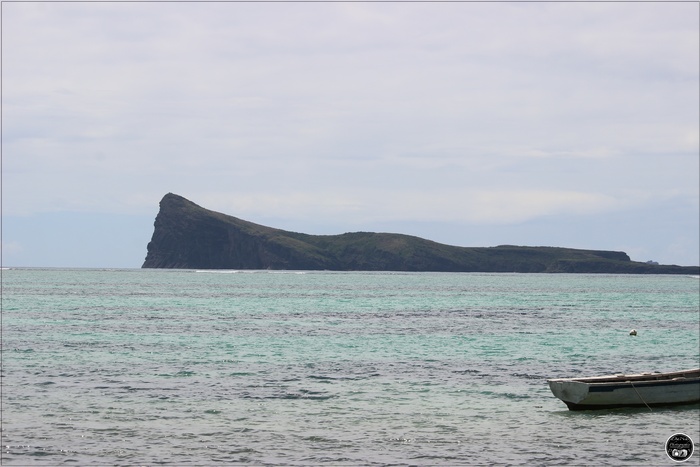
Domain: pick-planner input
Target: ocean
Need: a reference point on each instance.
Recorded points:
(175, 367)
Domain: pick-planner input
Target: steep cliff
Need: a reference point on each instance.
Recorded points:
(187, 236)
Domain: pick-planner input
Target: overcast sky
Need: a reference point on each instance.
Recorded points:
(474, 124)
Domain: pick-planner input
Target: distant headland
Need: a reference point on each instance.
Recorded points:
(188, 236)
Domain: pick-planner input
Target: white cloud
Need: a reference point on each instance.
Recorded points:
(371, 206)
(518, 206)
(11, 248)
(493, 112)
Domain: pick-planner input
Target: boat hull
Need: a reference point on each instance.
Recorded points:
(647, 390)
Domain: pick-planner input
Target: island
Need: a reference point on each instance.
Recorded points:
(188, 236)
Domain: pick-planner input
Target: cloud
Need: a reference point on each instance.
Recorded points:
(448, 112)
(371, 206)
(518, 206)
(11, 248)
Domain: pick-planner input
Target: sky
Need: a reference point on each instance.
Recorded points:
(472, 124)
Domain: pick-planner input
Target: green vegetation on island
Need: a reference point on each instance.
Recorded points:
(187, 236)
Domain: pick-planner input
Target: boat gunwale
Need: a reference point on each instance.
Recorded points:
(675, 376)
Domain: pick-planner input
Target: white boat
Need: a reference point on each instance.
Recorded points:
(637, 390)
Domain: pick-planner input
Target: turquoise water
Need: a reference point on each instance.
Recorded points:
(147, 367)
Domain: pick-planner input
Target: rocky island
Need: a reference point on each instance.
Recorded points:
(187, 236)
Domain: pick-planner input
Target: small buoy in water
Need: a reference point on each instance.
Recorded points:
(633, 332)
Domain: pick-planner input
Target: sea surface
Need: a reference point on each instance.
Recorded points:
(173, 367)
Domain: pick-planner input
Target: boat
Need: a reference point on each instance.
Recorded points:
(635, 390)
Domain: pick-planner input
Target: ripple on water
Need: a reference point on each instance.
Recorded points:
(156, 367)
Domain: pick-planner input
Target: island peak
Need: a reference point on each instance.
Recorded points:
(188, 236)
